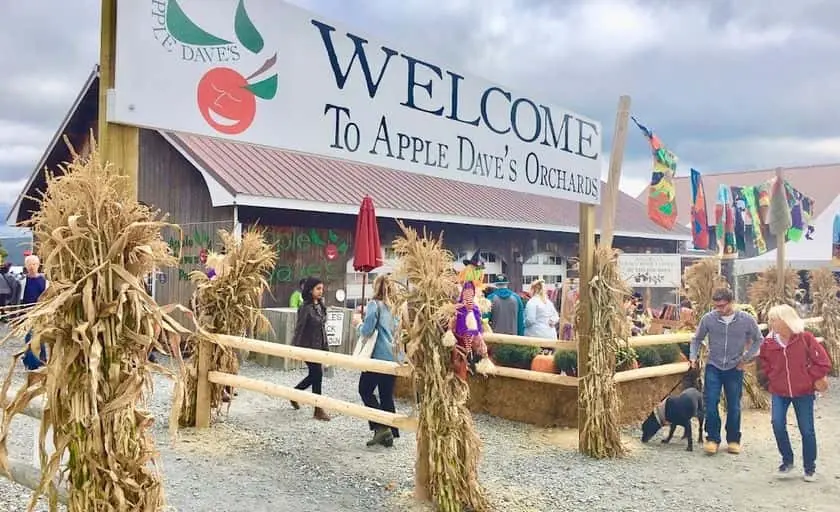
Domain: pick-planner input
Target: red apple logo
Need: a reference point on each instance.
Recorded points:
(225, 102)
(331, 251)
(228, 101)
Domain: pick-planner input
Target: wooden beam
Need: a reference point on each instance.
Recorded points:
(118, 144)
(400, 421)
(509, 339)
(586, 254)
(610, 198)
(34, 409)
(651, 372)
(313, 356)
(30, 477)
(781, 242)
(532, 376)
(202, 392)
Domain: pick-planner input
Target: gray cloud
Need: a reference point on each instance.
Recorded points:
(727, 84)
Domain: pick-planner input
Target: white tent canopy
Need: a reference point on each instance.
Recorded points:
(802, 255)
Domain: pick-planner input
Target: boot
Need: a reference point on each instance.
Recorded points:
(383, 436)
(321, 415)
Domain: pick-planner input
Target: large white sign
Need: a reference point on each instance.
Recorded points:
(266, 72)
(650, 270)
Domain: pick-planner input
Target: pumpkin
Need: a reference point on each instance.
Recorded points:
(543, 363)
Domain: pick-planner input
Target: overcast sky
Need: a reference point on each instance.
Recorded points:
(727, 84)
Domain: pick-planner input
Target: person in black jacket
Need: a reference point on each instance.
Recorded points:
(9, 291)
(311, 332)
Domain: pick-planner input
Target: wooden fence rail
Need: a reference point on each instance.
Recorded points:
(25, 474)
(634, 341)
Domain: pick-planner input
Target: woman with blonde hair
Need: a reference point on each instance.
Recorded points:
(380, 317)
(795, 366)
(541, 317)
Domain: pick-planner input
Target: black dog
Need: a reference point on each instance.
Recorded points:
(676, 411)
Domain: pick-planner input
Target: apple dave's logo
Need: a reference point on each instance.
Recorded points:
(227, 100)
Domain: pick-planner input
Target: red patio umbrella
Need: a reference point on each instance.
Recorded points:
(367, 250)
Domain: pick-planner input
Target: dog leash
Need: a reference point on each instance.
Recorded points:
(682, 376)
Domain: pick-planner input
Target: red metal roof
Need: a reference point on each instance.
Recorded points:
(820, 182)
(258, 171)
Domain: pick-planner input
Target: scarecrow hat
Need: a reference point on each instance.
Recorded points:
(475, 260)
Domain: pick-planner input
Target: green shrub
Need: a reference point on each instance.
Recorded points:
(669, 353)
(565, 361)
(649, 356)
(685, 348)
(624, 358)
(514, 356)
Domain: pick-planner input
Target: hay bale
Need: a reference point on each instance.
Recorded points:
(448, 447)
(99, 325)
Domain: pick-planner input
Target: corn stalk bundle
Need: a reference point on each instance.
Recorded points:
(764, 293)
(98, 324)
(600, 435)
(701, 280)
(448, 447)
(229, 303)
(824, 293)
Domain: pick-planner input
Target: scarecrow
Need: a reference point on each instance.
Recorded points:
(473, 272)
(469, 351)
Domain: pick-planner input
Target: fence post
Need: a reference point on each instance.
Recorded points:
(202, 392)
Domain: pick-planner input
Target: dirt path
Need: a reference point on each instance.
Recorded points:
(266, 457)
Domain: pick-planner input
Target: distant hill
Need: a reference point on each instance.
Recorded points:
(10, 231)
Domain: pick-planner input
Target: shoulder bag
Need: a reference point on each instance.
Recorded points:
(365, 344)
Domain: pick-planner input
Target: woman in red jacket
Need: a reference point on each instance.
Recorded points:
(796, 366)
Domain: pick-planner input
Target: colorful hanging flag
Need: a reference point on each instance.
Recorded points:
(699, 218)
(835, 245)
(662, 196)
(759, 240)
(725, 223)
(739, 209)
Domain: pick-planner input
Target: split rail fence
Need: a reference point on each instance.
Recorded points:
(29, 475)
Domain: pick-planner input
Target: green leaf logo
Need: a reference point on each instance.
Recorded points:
(246, 32)
(184, 30)
(265, 89)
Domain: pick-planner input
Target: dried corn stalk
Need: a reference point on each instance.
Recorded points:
(448, 447)
(764, 292)
(229, 303)
(824, 293)
(98, 323)
(600, 436)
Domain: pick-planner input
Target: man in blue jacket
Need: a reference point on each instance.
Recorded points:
(507, 313)
(728, 332)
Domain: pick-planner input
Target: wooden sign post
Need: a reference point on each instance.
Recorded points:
(118, 144)
(587, 248)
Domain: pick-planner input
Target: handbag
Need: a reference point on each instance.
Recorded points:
(821, 384)
(365, 344)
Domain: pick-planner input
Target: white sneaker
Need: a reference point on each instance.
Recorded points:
(810, 477)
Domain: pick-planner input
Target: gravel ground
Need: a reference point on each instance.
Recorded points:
(265, 456)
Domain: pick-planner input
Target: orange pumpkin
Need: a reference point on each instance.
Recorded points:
(543, 363)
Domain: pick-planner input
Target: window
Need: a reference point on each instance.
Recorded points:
(487, 257)
(529, 279)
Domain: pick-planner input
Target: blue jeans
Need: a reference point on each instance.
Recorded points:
(803, 407)
(732, 384)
